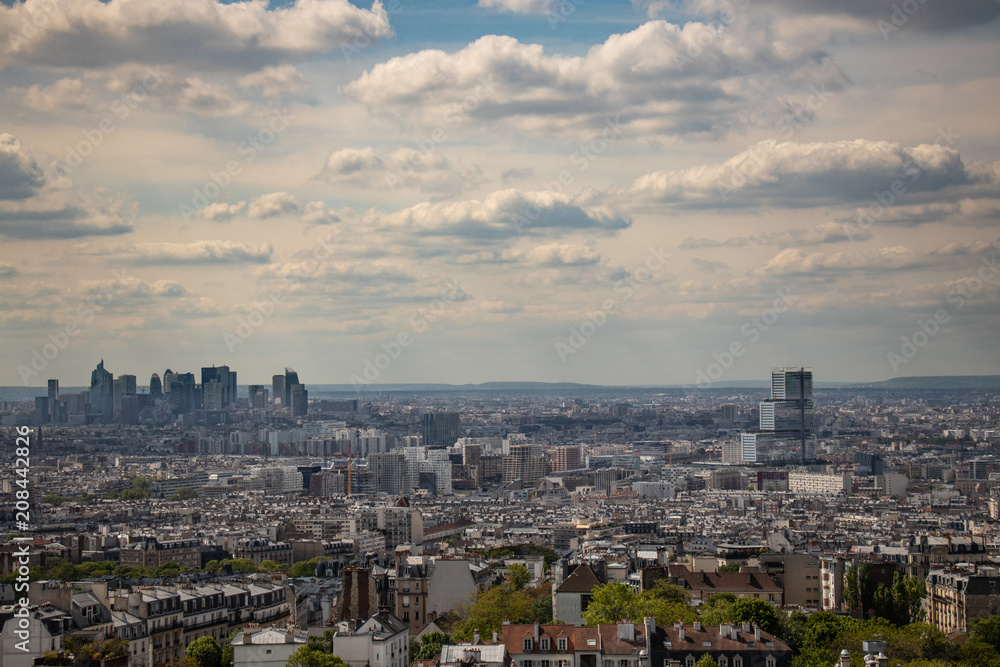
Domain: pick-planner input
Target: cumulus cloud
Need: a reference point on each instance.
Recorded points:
(497, 78)
(810, 174)
(67, 94)
(929, 16)
(272, 205)
(275, 80)
(828, 232)
(37, 203)
(20, 175)
(401, 168)
(501, 215)
(520, 6)
(92, 33)
(318, 213)
(221, 211)
(195, 252)
(135, 288)
(797, 262)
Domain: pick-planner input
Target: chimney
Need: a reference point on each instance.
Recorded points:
(495, 636)
(697, 626)
(680, 633)
(475, 636)
(756, 632)
(883, 660)
(536, 632)
(626, 631)
(289, 636)
(845, 658)
(650, 624)
(746, 626)
(247, 638)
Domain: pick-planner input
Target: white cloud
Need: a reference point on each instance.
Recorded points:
(401, 168)
(501, 215)
(91, 33)
(520, 6)
(318, 213)
(497, 78)
(221, 211)
(273, 204)
(275, 80)
(67, 94)
(195, 252)
(809, 174)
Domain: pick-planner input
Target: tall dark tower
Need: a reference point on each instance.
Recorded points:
(102, 398)
(278, 390)
(155, 387)
(291, 379)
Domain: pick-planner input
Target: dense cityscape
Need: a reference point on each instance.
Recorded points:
(448, 526)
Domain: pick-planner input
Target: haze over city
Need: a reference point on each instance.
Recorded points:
(509, 190)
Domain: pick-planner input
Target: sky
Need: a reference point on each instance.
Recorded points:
(608, 192)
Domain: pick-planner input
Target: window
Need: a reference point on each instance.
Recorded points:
(561, 643)
(527, 663)
(546, 663)
(545, 643)
(738, 661)
(770, 597)
(723, 661)
(623, 663)
(770, 661)
(689, 661)
(526, 645)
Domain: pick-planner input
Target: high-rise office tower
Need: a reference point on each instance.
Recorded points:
(291, 379)
(227, 381)
(179, 388)
(212, 395)
(299, 400)
(102, 401)
(278, 390)
(787, 418)
(155, 387)
(525, 463)
(54, 413)
(439, 429)
(258, 396)
(567, 458)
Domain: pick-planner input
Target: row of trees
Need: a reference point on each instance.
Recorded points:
(900, 602)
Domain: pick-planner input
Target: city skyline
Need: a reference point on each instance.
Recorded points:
(614, 193)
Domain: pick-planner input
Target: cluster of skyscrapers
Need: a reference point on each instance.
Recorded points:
(112, 399)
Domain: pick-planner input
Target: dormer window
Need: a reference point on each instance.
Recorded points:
(526, 645)
(561, 643)
(545, 642)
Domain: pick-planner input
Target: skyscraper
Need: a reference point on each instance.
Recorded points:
(54, 412)
(102, 400)
(278, 389)
(155, 387)
(299, 400)
(226, 380)
(787, 418)
(291, 379)
(258, 396)
(439, 429)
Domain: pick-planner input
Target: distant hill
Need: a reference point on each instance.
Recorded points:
(937, 382)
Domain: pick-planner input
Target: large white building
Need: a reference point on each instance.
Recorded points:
(819, 484)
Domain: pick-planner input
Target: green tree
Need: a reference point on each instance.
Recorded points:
(227, 649)
(858, 593)
(305, 568)
(706, 661)
(53, 499)
(752, 610)
(518, 576)
(541, 609)
(718, 609)
(730, 567)
(205, 651)
(986, 630)
(212, 566)
(428, 646)
(615, 601)
(244, 565)
(168, 569)
(184, 493)
(312, 654)
(271, 566)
